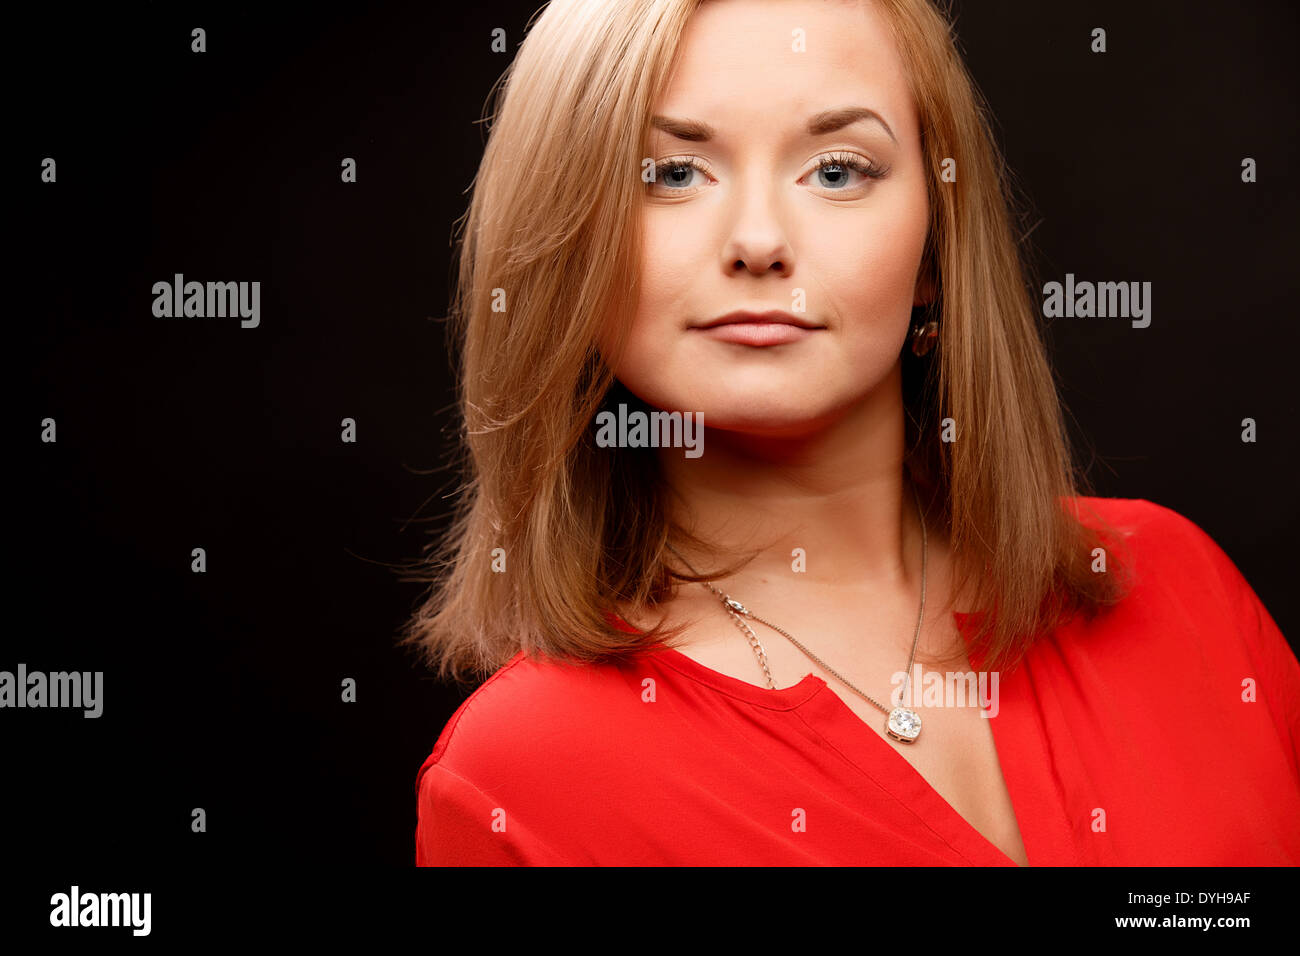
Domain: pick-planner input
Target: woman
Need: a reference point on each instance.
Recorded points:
(787, 218)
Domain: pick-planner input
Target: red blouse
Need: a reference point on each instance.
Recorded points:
(1130, 740)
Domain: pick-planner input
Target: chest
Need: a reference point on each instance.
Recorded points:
(869, 642)
(957, 756)
(956, 753)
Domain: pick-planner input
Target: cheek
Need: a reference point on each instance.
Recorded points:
(870, 263)
(669, 263)
(669, 259)
(662, 299)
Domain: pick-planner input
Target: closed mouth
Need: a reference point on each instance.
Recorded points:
(772, 317)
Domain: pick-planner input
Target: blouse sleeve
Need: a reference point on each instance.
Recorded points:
(459, 825)
(1277, 677)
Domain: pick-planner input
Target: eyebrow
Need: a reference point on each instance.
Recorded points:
(827, 121)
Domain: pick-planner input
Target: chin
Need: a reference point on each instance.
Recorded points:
(778, 419)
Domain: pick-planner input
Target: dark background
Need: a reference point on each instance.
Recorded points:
(222, 690)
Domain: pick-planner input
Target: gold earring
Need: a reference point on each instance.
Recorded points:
(924, 336)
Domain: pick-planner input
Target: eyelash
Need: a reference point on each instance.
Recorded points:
(847, 160)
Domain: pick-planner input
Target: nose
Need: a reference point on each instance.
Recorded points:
(758, 241)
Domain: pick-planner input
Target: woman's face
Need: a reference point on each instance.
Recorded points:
(751, 210)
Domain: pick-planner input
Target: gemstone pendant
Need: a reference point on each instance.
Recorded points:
(903, 725)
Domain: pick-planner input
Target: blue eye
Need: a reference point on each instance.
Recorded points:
(839, 164)
(678, 175)
(667, 172)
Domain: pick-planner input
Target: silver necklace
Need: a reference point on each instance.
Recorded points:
(901, 723)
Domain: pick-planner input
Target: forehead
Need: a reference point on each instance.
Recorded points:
(758, 63)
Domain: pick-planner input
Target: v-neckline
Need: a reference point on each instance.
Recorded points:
(1021, 754)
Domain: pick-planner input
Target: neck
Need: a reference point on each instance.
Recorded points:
(838, 493)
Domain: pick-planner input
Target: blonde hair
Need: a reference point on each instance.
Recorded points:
(550, 250)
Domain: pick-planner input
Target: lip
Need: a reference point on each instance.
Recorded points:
(757, 333)
(758, 328)
(746, 317)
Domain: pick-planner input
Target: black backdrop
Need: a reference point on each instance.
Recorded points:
(222, 689)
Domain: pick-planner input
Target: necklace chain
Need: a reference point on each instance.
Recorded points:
(738, 612)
